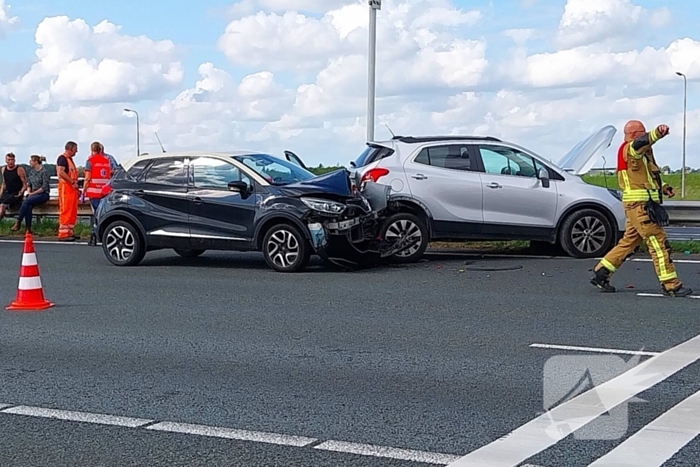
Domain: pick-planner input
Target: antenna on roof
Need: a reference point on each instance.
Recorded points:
(392, 133)
(161, 144)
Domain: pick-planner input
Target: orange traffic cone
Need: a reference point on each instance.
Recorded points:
(30, 295)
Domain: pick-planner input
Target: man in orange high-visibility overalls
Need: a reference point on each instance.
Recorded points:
(68, 193)
(97, 173)
(639, 179)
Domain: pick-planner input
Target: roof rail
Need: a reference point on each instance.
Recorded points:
(429, 139)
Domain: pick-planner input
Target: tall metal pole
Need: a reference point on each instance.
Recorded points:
(685, 109)
(374, 5)
(138, 132)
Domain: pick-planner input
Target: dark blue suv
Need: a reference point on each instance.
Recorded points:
(198, 201)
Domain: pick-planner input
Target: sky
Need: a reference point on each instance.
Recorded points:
(275, 75)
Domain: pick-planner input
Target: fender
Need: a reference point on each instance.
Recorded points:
(278, 215)
(419, 204)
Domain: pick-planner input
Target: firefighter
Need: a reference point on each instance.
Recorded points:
(639, 179)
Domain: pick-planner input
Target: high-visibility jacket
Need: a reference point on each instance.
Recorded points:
(100, 173)
(637, 171)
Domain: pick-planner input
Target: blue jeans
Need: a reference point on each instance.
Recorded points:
(95, 203)
(25, 211)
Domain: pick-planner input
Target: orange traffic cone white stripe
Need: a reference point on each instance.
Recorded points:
(30, 293)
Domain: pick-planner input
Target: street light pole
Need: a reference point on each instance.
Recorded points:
(685, 108)
(374, 5)
(138, 132)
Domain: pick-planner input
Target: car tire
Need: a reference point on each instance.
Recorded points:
(402, 224)
(189, 253)
(286, 249)
(587, 233)
(122, 244)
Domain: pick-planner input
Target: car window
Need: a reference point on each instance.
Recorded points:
(454, 156)
(216, 174)
(501, 160)
(170, 171)
(137, 169)
(372, 153)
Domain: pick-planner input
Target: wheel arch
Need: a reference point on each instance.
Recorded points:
(413, 206)
(121, 216)
(588, 205)
(266, 223)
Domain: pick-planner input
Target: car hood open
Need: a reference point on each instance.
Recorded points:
(335, 183)
(582, 157)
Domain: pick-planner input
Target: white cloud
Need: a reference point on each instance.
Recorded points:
(77, 62)
(588, 21)
(7, 21)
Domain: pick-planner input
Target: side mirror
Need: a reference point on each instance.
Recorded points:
(543, 175)
(239, 187)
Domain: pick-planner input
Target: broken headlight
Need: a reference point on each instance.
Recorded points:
(324, 206)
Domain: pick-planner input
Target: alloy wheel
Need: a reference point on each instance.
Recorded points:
(120, 243)
(283, 249)
(588, 234)
(405, 229)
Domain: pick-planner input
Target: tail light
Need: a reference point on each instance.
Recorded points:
(105, 190)
(373, 175)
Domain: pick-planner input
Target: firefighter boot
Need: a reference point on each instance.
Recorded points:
(679, 291)
(602, 281)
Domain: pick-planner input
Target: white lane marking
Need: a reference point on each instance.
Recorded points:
(29, 283)
(536, 435)
(4, 406)
(383, 451)
(229, 433)
(660, 295)
(593, 349)
(86, 417)
(45, 242)
(29, 259)
(658, 441)
(687, 261)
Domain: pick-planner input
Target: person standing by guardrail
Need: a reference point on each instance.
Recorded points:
(68, 193)
(642, 189)
(14, 184)
(39, 187)
(97, 173)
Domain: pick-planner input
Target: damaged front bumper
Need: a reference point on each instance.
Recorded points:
(356, 241)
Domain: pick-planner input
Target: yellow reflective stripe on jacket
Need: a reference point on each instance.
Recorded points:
(640, 195)
(651, 180)
(625, 181)
(653, 138)
(664, 275)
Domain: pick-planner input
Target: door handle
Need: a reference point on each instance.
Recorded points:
(139, 193)
(494, 185)
(196, 200)
(419, 177)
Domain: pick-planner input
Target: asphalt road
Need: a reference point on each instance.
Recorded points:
(429, 362)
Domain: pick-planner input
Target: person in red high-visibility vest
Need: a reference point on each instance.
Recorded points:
(98, 171)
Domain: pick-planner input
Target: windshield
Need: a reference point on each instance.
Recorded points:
(275, 170)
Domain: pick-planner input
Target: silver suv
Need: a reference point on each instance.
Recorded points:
(456, 188)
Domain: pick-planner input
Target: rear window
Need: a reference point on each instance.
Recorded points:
(372, 154)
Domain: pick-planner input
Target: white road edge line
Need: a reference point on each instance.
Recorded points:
(45, 242)
(536, 436)
(383, 451)
(686, 261)
(229, 433)
(659, 295)
(86, 417)
(594, 349)
(658, 441)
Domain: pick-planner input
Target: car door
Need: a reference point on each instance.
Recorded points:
(220, 218)
(516, 201)
(445, 180)
(160, 203)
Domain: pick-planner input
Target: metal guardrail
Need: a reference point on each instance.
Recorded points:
(683, 212)
(50, 209)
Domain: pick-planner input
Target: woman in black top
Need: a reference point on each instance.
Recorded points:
(14, 184)
(38, 181)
